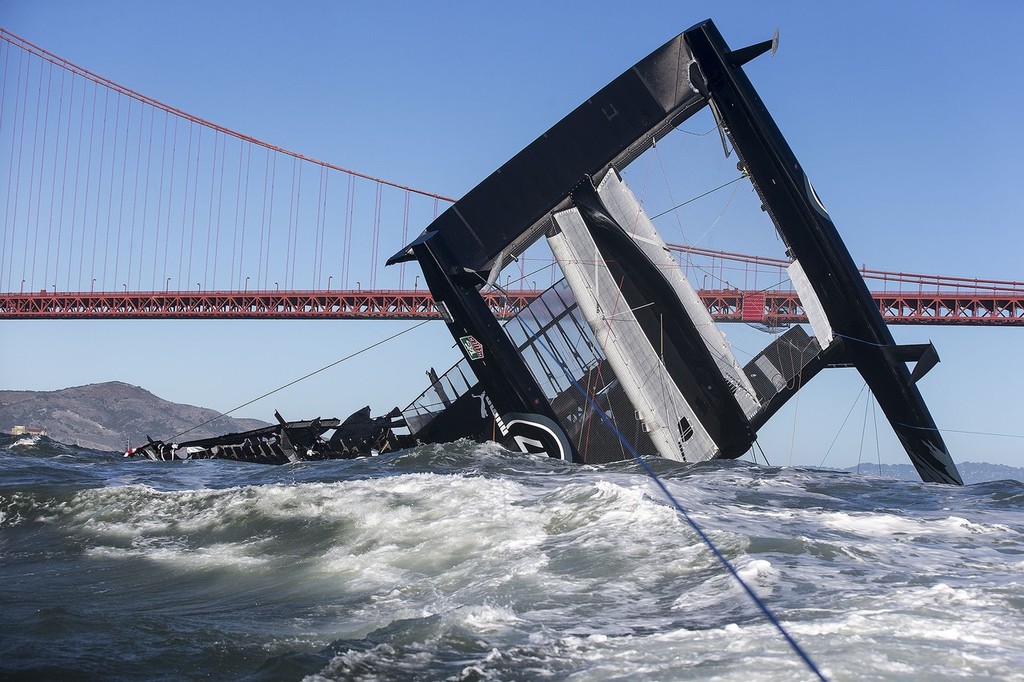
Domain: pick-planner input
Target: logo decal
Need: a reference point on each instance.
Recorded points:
(474, 349)
(536, 434)
(533, 434)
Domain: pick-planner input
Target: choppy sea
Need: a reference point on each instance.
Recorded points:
(467, 562)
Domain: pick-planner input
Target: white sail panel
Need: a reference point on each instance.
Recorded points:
(624, 207)
(812, 306)
(671, 423)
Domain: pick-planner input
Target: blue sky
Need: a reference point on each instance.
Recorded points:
(906, 115)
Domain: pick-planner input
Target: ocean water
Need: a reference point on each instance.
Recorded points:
(467, 562)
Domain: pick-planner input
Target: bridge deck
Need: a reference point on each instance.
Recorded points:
(725, 305)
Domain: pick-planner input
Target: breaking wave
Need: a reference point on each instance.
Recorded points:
(469, 562)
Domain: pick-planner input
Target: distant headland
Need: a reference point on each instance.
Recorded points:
(105, 416)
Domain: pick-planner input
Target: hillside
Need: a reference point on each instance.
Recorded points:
(103, 416)
(970, 472)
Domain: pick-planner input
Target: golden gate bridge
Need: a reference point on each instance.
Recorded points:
(116, 205)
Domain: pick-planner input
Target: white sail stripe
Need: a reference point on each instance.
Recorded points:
(820, 325)
(627, 350)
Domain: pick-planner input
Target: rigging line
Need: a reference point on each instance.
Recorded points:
(633, 310)
(864, 341)
(302, 378)
(717, 220)
(855, 401)
(523, 277)
(792, 435)
(863, 430)
(969, 433)
(765, 609)
(695, 134)
(699, 196)
(668, 188)
(773, 287)
(710, 272)
(874, 420)
(592, 389)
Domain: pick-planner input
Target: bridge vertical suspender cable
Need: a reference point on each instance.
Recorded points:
(152, 197)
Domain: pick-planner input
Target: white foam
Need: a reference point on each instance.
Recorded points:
(227, 555)
(873, 524)
(486, 618)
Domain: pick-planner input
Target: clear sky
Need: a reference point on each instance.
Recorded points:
(905, 114)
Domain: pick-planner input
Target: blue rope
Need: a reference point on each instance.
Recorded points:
(772, 618)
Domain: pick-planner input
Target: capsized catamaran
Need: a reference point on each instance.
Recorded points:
(622, 347)
(621, 354)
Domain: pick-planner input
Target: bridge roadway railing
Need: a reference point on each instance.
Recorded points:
(997, 306)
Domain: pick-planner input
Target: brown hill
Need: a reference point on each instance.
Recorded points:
(104, 416)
